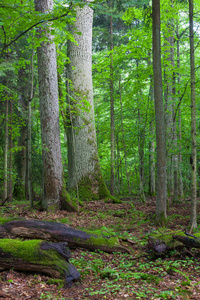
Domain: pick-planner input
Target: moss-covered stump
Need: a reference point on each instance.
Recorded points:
(53, 231)
(161, 243)
(38, 256)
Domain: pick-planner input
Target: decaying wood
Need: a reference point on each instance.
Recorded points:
(38, 256)
(188, 242)
(161, 243)
(3, 232)
(57, 232)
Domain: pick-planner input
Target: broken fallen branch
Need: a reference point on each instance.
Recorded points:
(38, 256)
(161, 243)
(57, 232)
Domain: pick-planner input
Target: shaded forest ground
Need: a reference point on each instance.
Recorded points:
(112, 276)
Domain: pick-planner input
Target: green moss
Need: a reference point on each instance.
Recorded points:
(161, 219)
(92, 188)
(103, 241)
(67, 203)
(113, 200)
(27, 250)
(167, 237)
(59, 282)
(5, 220)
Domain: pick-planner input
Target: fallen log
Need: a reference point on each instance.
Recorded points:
(38, 256)
(161, 243)
(57, 232)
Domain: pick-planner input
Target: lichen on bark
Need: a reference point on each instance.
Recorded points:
(84, 172)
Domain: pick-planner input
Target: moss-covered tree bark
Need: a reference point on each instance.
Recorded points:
(85, 175)
(53, 231)
(161, 243)
(37, 256)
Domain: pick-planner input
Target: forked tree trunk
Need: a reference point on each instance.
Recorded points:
(161, 192)
(84, 175)
(55, 196)
(193, 121)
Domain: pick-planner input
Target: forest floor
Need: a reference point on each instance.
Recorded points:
(113, 276)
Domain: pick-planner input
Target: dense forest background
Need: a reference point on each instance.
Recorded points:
(123, 93)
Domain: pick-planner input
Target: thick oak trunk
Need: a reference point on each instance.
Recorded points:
(84, 176)
(57, 232)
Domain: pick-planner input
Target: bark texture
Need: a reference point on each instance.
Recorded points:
(161, 187)
(21, 156)
(38, 256)
(57, 232)
(193, 158)
(83, 161)
(54, 189)
(161, 243)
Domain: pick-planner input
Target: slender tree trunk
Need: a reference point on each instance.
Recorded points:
(123, 137)
(21, 157)
(161, 193)
(6, 143)
(180, 179)
(152, 184)
(10, 167)
(29, 173)
(54, 195)
(29, 118)
(193, 121)
(112, 120)
(168, 97)
(83, 161)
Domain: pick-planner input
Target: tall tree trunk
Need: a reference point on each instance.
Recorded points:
(179, 121)
(84, 169)
(168, 97)
(152, 185)
(6, 143)
(141, 142)
(193, 121)
(29, 158)
(10, 165)
(112, 120)
(20, 157)
(54, 195)
(161, 192)
(123, 137)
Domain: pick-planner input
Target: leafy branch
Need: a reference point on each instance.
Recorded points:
(6, 45)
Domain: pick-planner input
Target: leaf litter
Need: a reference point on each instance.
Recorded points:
(112, 276)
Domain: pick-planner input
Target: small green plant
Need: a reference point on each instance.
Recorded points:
(64, 220)
(109, 272)
(167, 295)
(50, 296)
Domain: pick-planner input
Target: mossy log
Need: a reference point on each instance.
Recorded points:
(161, 243)
(38, 256)
(57, 232)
